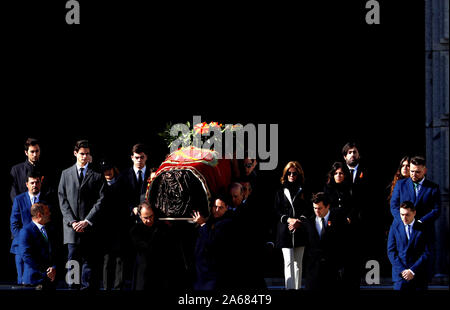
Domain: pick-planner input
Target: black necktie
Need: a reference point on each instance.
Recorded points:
(81, 175)
(351, 175)
(139, 180)
(322, 232)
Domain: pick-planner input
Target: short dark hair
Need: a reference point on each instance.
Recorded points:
(81, 144)
(31, 142)
(320, 197)
(37, 208)
(139, 148)
(34, 173)
(408, 205)
(220, 196)
(347, 146)
(418, 161)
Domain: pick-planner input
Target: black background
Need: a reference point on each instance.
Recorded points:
(315, 69)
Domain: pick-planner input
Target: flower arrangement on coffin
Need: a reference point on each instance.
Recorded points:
(202, 135)
(190, 175)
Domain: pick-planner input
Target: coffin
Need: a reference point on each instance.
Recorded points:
(187, 180)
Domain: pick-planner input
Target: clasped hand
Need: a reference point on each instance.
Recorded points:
(407, 275)
(79, 226)
(293, 224)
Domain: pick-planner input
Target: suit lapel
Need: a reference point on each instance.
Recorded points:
(87, 176)
(422, 191)
(74, 176)
(288, 195)
(402, 233)
(132, 177)
(411, 191)
(27, 202)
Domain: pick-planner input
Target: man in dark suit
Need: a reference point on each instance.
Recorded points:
(21, 216)
(81, 193)
(423, 193)
(325, 238)
(153, 269)
(36, 248)
(20, 171)
(216, 265)
(366, 236)
(132, 185)
(408, 250)
(134, 180)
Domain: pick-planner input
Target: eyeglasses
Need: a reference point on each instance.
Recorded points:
(248, 166)
(293, 173)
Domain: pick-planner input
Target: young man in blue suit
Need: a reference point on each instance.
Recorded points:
(36, 249)
(408, 250)
(426, 198)
(21, 216)
(423, 193)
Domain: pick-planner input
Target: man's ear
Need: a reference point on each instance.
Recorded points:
(425, 170)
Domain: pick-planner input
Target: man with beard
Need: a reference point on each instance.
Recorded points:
(19, 173)
(21, 216)
(426, 197)
(367, 228)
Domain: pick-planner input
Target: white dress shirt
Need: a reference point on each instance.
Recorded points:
(406, 228)
(32, 197)
(319, 222)
(353, 171)
(143, 172)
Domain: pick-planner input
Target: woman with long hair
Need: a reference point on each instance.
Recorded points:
(291, 210)
(338, 190)
(401, 173)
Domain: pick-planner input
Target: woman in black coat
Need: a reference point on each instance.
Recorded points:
(338, 190)
(339, 193)
(291, 210)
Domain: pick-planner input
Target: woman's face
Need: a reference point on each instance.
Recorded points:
(292, 174)
(404, 170)
(339, 176)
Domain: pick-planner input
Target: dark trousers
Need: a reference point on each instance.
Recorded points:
(86, 256)
(113, 266)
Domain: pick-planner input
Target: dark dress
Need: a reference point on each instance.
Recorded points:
(342, 203)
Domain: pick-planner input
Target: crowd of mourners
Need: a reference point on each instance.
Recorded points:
(95, 229)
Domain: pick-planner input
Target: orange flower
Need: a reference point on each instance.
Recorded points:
(329, 223)
(215, 124)
(361, 175)
(202, 128)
